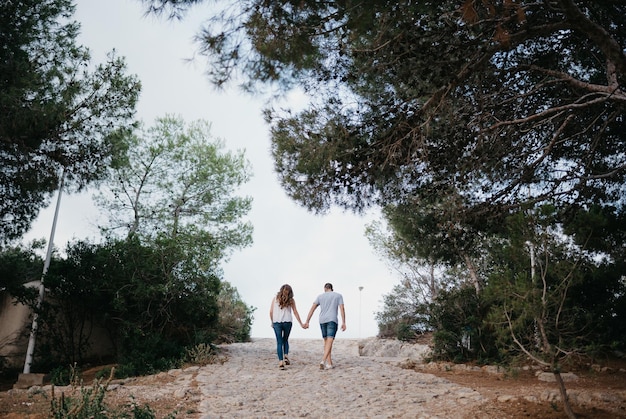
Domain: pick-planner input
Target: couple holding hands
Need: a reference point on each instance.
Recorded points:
(284, 306)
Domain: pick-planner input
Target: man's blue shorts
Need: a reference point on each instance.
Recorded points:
(329, 330)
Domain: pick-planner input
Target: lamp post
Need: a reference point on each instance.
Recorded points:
(360, 292)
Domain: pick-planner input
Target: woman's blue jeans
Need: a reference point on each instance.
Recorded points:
(282, 331)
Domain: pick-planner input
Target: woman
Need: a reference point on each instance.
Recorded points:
(281, 310)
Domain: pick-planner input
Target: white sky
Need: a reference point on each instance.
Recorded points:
(290, 245)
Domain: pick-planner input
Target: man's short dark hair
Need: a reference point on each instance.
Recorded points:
(328, 286)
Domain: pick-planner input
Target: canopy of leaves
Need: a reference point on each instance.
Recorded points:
(176, 182)
(20, 265)
(480, 105)
(56, 111)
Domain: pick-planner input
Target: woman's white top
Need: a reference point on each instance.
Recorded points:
(281, 315)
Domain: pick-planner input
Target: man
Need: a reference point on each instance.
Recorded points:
(329, 302)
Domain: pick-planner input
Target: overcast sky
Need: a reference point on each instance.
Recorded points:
(290, 245)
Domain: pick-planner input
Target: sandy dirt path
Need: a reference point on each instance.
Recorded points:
(250, 385)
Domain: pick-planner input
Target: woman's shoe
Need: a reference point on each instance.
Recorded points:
(281, 365)
(321, 365)
(287, 361)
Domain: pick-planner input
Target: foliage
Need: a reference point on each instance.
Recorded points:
(235, 316)
(158, 290)
(176, 189)
(453, 117)
(436, 235)
(151, 305)
(19, 265)
(553, 298)
(422, 278)
(401, 317)
(406, 309)
(461, 333)
(177, 183)
(576, 295)
(533, 309)
(150, 301)
(601, 297)
(65, 375)
(202, 354)
(482, 107)
(146, 412)
(57, 111)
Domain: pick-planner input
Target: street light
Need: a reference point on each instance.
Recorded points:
(360, 289)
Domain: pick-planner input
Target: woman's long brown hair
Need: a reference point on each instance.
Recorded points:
(285, 296)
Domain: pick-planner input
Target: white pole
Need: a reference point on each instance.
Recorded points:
(360, 289)
(33, 331)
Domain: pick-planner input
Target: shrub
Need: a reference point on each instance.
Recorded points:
(202, 354)
(461, 334)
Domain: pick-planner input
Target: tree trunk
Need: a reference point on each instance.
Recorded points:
(472, 272)
(566, 404)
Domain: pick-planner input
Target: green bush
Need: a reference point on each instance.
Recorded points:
(60, 376)
(235, 316)
(64, 376)
(153, 303)
(405, 332)
(403, 316)
(461, 333)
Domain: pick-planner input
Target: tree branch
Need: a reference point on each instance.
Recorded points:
(521, 345)
(596, 33)
(612, 88)
(579, 104)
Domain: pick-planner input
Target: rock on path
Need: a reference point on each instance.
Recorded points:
(250, 385)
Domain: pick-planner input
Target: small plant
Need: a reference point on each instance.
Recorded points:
(142, 412)
(59, 376)
(62, 376)
(89, 405)
(202, 354)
